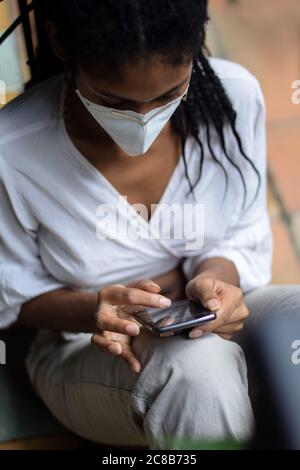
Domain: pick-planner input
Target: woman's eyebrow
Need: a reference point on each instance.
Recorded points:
(122, 98)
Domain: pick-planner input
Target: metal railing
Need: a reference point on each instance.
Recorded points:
(40, 60)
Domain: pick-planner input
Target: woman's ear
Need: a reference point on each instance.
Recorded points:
(54, 40)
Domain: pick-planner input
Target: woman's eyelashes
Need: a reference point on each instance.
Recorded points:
(172, 97)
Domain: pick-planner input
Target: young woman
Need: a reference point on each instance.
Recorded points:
(140, 116)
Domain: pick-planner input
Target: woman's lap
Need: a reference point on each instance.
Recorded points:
(85, 388)
(98, 396)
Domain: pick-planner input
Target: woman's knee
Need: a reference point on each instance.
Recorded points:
(198, 386)
(273, 300)
(208, 363)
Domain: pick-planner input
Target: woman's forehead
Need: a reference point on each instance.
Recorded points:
(138, 82)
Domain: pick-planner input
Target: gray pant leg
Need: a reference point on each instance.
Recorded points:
(86, 389)
(269, 339)
(271, 300)
(194, 389)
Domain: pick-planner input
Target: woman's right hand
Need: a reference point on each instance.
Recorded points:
(115, 325)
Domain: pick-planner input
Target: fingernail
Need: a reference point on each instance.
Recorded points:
(132, 329)
(164, 302)
(154, 285)
(112, 349)
(166, 335)
(136, 369)
(196, 333)
(213, 304)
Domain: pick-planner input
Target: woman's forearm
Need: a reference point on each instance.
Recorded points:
(69, 310)
(74, 311)
(60, 310)
(219, 268)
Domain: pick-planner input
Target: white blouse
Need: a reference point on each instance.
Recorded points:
(53, 235)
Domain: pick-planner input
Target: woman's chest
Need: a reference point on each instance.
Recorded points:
(88, 236)
(142, 180)
(92, 239)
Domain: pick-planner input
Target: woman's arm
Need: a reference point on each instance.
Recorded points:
(247, 241)
(60, 310)
(219, 268)
(74, 311)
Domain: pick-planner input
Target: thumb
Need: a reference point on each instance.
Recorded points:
(210, 300)
(204, 292)
(145, 284)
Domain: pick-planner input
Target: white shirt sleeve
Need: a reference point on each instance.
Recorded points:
(22, 274)
(248, 241)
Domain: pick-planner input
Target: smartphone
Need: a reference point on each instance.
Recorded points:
(181, 315)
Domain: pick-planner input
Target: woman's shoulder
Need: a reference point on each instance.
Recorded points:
(30, 111)
(240, 84)
(26, 124)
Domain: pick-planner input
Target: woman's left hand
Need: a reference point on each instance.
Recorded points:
(224, 299)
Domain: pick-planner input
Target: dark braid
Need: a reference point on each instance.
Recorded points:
(110, 33)
(225, 106)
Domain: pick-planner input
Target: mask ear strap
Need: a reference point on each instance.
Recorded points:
(185, 96)
(65, 104)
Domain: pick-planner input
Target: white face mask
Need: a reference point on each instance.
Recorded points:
(132, 132)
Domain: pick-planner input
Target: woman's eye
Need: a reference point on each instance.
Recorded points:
(116, 103)
(171, 97)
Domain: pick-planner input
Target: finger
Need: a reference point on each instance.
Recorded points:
(211, 325)
(166, 334)
(146, 284)
(107, 345)
(224, 330)
(230, 328)
(203, 290)
(125, 311)
(107, 321)
(228, 321)
(227, 312)
(117, 349)
(237, 318)
(131, 359)
(118, 295)
(196, 332)
(225, 336)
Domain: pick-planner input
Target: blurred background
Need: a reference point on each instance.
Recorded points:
(264, 36)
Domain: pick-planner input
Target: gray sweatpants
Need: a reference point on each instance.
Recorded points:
(187, 388)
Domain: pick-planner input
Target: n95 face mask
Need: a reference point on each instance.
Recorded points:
(132, 132)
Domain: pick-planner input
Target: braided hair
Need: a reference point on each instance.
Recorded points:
(102, 34)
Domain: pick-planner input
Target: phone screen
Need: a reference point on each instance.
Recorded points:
(182, 314)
